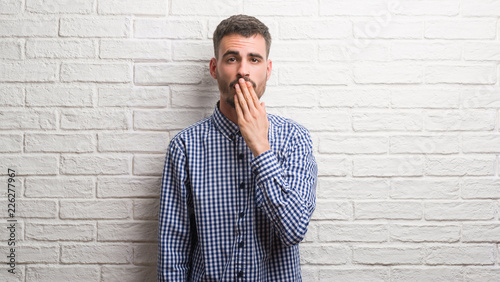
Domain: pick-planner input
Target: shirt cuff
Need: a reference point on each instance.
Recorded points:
(265, 166)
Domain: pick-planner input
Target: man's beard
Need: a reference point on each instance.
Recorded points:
(229, 90)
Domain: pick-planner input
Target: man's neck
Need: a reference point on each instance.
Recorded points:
(228, 111)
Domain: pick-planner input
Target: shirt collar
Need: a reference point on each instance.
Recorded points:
(228, 128)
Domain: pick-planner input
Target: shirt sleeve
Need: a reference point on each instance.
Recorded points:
(174, 230)
(286, 189)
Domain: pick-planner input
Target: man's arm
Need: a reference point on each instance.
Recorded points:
(174, 231)
(286, 191)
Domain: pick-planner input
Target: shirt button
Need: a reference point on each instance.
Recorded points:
(241, 156)
(240, 274)
(242, 214)
(241, 244)
(242, 185)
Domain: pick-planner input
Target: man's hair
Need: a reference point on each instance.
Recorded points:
(243, 25)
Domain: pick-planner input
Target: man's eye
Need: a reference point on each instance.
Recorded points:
(231, 60)
(254, 60)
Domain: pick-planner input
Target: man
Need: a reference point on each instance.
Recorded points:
(238, 187)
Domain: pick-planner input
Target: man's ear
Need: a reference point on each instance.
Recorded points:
(213, 68)
(269, 68)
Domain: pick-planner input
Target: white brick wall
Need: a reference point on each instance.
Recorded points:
(402, 98)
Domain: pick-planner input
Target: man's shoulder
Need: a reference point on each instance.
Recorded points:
(286, 124)
(193, 130)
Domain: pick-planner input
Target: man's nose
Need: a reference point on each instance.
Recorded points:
(243, 70)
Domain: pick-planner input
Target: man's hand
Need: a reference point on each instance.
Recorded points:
(252, 118)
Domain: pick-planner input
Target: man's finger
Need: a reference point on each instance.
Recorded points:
(246, 94)
(241, 100)
(253, 95)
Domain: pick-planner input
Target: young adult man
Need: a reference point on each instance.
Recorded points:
(238, 187)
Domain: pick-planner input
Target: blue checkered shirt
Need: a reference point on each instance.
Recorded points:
(226, 215)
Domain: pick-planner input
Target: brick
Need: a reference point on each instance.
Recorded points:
(165, 120)
(189, 97)
(11, 49)
(20, 272)
(128, 273)
(481, 143)
(353, 144)
(318, 75)
(357, 274)
(11, 96)
(480, 188)
(482, 51)
(481, 274)
(333, 188)
(171, 29)
(11, 8)
(460, 210)
(336, 210)
(387, 73)
(428, 8)
(30, 254)
(332, 166)
(480, 8)
(312, 232)
(387, 28)
(146, 208)
(293, 51)
(60, 231)
(145, 254)
(59, 96)
(483, 97)
(290, 96)
(46, 164)
(60, 48)
(36, 208)
(357, 50)
(27, 119)
(96, 253)
(116, 27)
(95, 72)
(480, 233)
(5, 231)
(387, 166)
(197, 7)
(125, 187)
(71, 143)
(459, 120)
(314, 29)
(400, 274)
(60, 187)
(135, 49)
(387, 210)
(148, 164)
(192, 50)
(325, 120)
(460, 29)
(418, 233)
(464, 74)
(424, 188)
(137, 231)
(28, 72)
(325, 254)
(148, 7)
(59, 6)
(387, 255)
(95, 164)
(425, 98)
(275, 8)
(460, 255)
(359, 98)
(11, 143)
(425, 51)
(133, 142)
(33, 26)
(352, 8)
(94, 119)
(134, 97)
(459, 166)
(424, 144)
(161, 74)
(352, 232)
(63, 273)
(95, 209)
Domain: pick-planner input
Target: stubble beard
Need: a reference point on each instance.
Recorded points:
(228, 91)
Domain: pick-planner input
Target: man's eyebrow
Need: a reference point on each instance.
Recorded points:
(230, 52)
(256, 55)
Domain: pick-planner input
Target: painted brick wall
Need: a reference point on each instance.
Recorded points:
(402, 99)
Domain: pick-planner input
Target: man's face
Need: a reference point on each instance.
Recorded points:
(239, 56)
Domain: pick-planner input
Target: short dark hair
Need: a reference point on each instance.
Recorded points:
(243, 25)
